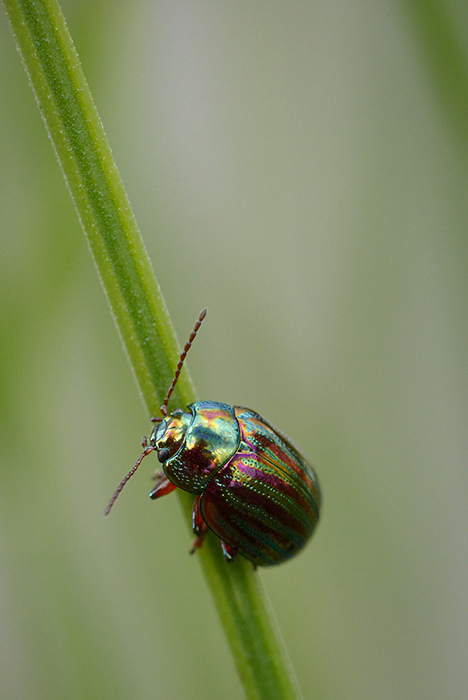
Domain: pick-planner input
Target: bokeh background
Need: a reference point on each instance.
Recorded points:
(301, 169)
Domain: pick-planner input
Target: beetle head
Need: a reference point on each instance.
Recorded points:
(167, 437)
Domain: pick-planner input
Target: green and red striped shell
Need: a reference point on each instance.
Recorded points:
(255, 489)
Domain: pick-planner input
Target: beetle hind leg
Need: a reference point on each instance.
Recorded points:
(230, 553)
(199, 527)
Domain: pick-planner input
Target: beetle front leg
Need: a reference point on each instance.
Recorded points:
(199, 527)
(163, 485)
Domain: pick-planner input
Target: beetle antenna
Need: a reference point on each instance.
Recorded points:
(132, 471)
(181, 361)
(147, 448)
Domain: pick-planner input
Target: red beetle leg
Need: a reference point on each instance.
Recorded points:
(229, 552)
(199, 526)
(163, 486)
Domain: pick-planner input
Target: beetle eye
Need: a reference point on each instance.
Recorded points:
(163, 454)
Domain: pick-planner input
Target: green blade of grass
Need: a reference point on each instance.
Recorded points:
(79, 140)
(435, 27)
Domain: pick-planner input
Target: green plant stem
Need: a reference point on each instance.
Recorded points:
(435, 28)
(78, 137)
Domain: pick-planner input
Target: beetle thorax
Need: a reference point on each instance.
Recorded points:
(193, 447)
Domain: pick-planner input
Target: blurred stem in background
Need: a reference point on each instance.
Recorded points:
(138, 308)
(437, 31)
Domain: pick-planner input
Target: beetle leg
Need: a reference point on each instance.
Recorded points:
(199, 527)
(198, 524)
(229, 552)
(163, 485)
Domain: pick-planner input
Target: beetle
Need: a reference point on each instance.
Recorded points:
(254, 488)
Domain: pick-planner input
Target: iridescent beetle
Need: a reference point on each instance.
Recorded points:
(253, 486)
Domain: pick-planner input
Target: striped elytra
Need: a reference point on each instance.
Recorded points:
(254, 488)
(262, 498)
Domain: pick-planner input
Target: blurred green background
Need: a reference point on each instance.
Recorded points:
(301, 170)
